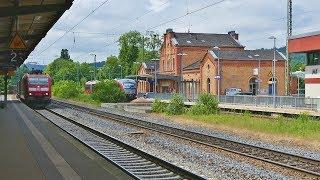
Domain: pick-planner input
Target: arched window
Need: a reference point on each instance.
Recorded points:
(208, 85)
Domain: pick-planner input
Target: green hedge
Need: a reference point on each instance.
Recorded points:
(158, 106)
(108, 91)
(176, 106)
(66, 89)
(206, 104)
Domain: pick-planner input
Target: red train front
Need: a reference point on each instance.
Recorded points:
(35, 89)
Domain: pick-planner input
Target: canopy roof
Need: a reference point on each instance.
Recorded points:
(31, 19)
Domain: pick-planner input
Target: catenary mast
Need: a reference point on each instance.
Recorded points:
(289, 34)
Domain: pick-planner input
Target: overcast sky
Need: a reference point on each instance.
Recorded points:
(254, 20)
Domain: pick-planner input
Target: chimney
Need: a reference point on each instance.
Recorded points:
(234, 35)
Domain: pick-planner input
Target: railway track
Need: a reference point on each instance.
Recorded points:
(136, 163)
(294, 162)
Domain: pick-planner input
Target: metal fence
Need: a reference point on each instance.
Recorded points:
(292, 102)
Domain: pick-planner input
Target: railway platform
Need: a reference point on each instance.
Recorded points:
(33, 148)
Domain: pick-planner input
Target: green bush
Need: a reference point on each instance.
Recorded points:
(176, 106)
(108, 91)
(66, 89)
(206, 104)
(158, 106)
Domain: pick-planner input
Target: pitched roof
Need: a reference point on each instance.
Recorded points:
(248, 55)
(193, 66)
(150, 65)
(204, 39)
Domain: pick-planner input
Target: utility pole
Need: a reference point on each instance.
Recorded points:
(95, 65)
(289, 34)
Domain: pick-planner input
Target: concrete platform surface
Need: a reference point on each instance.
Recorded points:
(33, 148)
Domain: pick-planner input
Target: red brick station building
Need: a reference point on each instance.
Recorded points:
(189, 63)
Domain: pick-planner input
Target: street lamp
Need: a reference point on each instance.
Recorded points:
(274, 70)
(218, 77)
(94, 61)
(259, 69)
(120, 70)
(181, 77)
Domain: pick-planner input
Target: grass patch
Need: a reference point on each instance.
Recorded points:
(82, 98)
(302, 127)
(86, 98)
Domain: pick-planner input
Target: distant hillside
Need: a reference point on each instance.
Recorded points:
(98, 64)
(295, 58)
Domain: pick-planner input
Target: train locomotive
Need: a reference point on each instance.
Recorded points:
(35, 90)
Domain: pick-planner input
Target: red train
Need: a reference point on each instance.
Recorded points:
(35, 89)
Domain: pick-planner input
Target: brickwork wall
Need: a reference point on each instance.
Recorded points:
(208, 71)
(238, 74)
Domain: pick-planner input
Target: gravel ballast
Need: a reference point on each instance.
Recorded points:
(219, 134)
(210, 164)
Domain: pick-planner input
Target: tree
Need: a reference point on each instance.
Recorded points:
(1, 83)
(136, 47)
(19, 73)
(65, 54)
(110, 69)
(129, 50)
(62, 69)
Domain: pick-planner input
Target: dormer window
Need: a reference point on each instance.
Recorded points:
(203, 41)
(188, 41)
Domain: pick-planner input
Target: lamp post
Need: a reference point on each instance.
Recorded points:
(120, 70)
(218, 77)
(181, 77)
(137, 71)
(274, 70)
(259, 69)
(94, 64)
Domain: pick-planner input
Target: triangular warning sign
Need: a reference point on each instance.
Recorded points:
(17, 43)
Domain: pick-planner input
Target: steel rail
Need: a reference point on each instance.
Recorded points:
(291, 161)
(136, 163)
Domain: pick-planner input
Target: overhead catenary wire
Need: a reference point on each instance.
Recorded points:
(174, 19)
(69, 30)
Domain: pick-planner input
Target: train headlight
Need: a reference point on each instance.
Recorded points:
(47, 94)
(30, 94)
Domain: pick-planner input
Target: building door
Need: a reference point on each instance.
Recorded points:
(271, 87)
(208, 85)
(253, 85)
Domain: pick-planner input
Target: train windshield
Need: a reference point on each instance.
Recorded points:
(38, 81)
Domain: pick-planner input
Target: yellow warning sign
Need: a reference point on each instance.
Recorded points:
(17, 43)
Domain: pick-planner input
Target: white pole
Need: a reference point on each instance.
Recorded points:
(298, 87)
(219, 75)
(274, 72)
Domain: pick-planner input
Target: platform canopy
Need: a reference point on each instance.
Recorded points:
(23, 23)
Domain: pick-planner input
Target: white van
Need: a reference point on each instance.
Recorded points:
(232, 91)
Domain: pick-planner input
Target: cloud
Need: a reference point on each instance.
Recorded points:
(158, 5)
(254, 20)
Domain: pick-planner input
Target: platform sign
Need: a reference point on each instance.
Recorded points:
(17, 43)
(217, 77)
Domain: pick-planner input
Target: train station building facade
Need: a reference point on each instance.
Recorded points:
(189, 63)
(310, 45)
